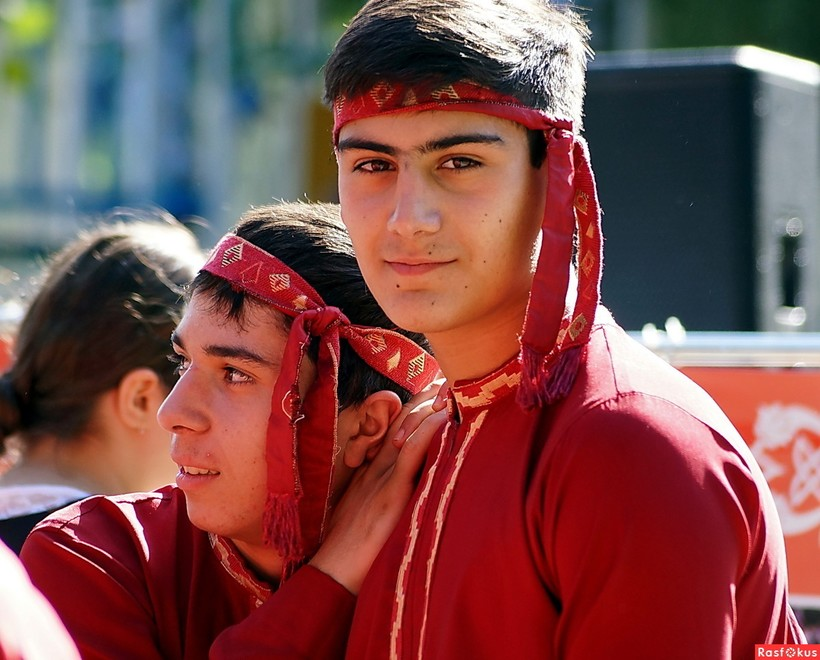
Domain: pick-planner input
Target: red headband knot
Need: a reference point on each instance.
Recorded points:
(322, 319)
(553, 335)
(301, 438)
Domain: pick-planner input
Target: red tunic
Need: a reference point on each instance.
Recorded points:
(628, 521)
(131, 577)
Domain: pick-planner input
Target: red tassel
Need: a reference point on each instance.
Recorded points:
(542, 385)
(282, 530)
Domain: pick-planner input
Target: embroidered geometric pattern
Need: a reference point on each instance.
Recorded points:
(416, 366)
(234, 253)
(393, 361)
(582, 201)
(483, 393)
(250, 275)
(577, 326)
(279, 282)
(377, 342)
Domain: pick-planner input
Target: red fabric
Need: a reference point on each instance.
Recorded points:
(133, 579)
(627, 521)
(29, 627)
(299, 474)
(551, 336)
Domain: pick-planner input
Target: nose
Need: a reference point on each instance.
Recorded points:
(415, 207)
(185, 408)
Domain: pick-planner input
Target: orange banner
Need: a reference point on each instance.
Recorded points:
(5, 353)
(777, 411)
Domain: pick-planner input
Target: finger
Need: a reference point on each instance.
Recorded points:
(413, 452)
(411, 422)
(414, 411)
(440, 402)
(430, 391)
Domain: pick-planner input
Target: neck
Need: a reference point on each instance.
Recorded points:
(61, 463)
(468, 353)
(262, 560)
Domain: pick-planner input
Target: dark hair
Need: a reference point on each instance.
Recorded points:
(108, 304)
(312, 240)
(529, 49)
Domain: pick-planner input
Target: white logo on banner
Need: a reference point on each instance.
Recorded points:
(785, 445)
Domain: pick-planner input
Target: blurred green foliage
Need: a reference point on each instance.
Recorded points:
(786, 26)
(26, 26)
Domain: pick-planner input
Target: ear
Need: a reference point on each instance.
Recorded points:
(139, 395)
(365, 427)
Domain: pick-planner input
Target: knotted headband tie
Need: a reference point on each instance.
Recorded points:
(302, 444)
(552, 337)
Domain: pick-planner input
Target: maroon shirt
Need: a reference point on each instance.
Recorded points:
(132, 578)
(628, 521)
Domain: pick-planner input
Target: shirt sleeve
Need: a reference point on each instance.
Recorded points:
(80, 579)
(308, 617)
(651, 523)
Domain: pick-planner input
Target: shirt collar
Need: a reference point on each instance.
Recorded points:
(470, 396)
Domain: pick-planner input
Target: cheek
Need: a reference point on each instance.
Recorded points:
(248, 464)
(353, 216)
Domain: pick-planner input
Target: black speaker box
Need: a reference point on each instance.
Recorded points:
(708, 170)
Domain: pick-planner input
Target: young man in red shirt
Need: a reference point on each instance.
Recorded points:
(290, 378)
(586, 500)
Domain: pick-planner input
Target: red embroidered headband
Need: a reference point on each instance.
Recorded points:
(300, 471)
(552, 336)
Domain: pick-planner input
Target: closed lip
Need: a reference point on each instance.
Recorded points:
(415, 266)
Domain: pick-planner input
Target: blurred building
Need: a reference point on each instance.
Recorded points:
(204, 108)
(200, 108)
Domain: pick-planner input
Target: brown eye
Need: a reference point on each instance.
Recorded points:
(460, 163)
(373, 166)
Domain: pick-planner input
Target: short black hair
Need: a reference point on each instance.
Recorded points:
(532, 50)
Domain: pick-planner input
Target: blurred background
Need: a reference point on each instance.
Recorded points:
(702, 118)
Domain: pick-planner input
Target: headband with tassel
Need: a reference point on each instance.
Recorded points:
(552, 337)
(300, 471)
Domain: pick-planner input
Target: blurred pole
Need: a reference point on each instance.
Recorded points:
(616, 24)
(301, 27)
(630, 29)
(66, 112)
(139, 98)
(213, 130)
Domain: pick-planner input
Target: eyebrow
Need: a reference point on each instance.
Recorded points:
(427, 147)
(228, 351)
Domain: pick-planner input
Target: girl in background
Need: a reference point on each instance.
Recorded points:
(90, 368)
